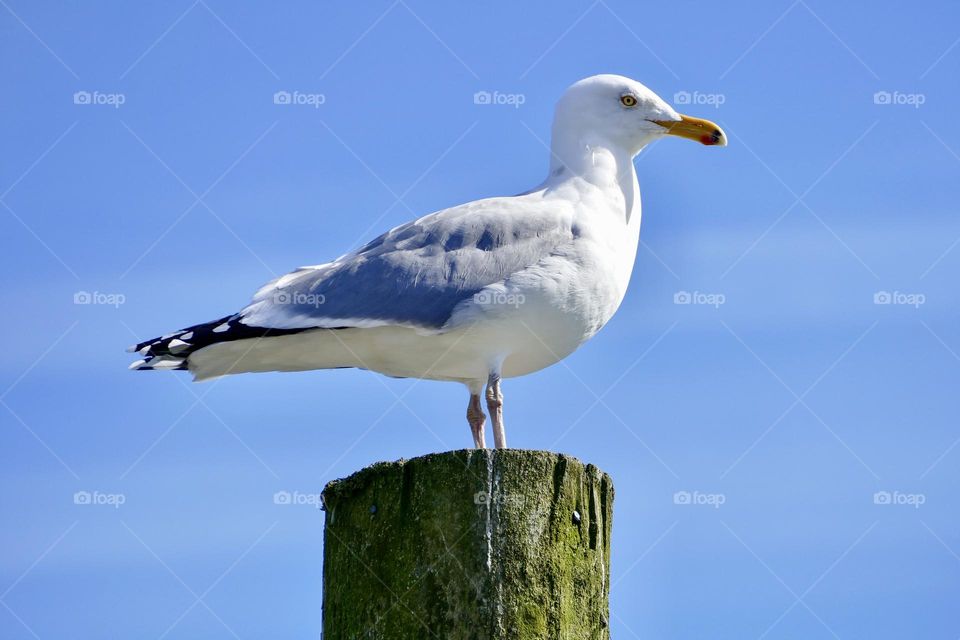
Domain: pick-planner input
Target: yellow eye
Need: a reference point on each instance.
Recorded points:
(628, 100)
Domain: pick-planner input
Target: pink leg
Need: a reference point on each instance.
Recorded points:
(476, 419)
(495, 407)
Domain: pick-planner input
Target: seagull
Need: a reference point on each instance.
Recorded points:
(491, 289)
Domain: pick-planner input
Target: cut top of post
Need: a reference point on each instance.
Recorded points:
(473, 543)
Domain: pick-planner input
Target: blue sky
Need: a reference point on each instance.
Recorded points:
(175, 186)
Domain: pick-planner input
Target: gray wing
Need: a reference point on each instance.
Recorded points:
(416, 274)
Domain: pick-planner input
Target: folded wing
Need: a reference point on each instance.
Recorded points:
(416, 274)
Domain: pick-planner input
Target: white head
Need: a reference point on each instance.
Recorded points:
(622, 114)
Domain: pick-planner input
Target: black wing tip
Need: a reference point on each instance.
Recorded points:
(172, 351)
(156, 363)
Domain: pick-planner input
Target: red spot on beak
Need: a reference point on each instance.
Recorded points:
(708, 139)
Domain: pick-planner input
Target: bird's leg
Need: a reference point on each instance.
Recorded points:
(476, 418)
(495, 407)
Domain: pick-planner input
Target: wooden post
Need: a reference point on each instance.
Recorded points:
(472, 544)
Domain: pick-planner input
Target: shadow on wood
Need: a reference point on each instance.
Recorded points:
(473, 544)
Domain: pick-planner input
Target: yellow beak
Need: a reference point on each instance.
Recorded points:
(703, 131)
